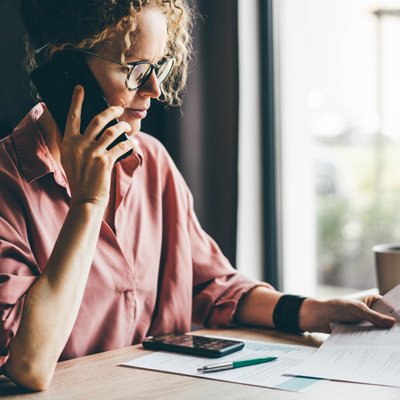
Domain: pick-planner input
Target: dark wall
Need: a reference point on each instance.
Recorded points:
(15, 99)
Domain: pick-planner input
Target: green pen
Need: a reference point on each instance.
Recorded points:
(222, 366)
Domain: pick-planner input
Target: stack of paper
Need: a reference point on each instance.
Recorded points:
(360, 353)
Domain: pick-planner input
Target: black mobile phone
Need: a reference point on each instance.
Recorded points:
(191, 344)
(55, 81)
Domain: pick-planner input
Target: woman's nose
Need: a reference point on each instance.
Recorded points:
(151, 87)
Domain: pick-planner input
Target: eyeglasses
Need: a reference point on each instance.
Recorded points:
(140, 71)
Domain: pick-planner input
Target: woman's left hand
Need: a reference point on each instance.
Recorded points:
(316, 315)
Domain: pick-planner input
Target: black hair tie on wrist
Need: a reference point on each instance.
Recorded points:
(286, 313)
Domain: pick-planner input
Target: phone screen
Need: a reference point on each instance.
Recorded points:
(192, 344)
(55, 81)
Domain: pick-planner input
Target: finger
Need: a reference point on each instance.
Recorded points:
(110, 134)
(73, 123)
(98, 123)
(136, 146)
(120, 149)
(371, 299)
(378, 319)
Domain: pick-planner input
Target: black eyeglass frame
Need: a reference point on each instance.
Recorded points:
(132, 65)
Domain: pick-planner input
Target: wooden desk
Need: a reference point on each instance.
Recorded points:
(99, 377)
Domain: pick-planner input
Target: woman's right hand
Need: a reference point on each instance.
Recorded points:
(87, 162)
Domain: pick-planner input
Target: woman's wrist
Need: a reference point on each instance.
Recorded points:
(286, 313)
(310, 313)
(87, 207)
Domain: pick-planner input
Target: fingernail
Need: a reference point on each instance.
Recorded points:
(127, 127)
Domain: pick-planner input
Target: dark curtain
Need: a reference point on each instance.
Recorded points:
(201, 137)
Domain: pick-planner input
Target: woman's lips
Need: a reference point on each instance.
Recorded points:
(137, 113)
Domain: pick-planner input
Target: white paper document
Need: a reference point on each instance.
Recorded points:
(360, 353)
(389, 304)
(265, 375)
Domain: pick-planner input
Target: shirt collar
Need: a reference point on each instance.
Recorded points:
(33, 154)
(35, 158)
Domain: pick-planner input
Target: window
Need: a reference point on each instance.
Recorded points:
(249, 233)
(339, 91)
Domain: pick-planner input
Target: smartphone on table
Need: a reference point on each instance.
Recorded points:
(55, 82)
(191, 344)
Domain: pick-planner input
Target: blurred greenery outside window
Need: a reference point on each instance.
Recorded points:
(349, 102)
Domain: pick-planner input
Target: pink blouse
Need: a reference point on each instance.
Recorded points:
(156, 273)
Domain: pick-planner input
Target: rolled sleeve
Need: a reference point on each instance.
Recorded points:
(10, 315)
(16, 277)
(216, 305)
(12, 295)
(217, 286)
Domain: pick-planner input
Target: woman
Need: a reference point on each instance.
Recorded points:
(97, 255)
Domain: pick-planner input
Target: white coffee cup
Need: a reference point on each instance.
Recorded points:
(387, 266)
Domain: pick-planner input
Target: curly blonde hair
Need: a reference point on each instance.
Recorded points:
(75, 24)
